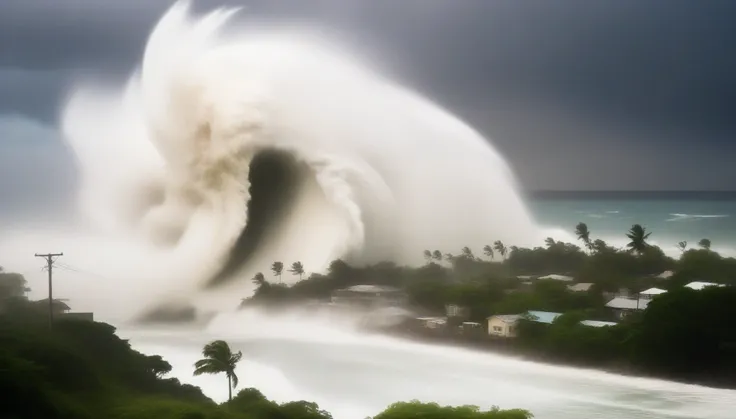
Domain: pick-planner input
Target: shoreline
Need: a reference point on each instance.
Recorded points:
(505, 347)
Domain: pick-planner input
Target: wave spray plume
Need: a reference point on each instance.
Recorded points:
(232, 150)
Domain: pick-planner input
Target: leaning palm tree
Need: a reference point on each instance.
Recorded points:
(704, 243)
(682, 246)
(581, 230)
(488, 251)
(499, 247)
(277, 268)
(638, 236)
(297, 269)
(437, 255)
(428, 256)
(549, 242)
(219, 358)
(259, 279)
(467, 253)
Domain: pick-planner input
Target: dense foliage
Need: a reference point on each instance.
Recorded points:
(684, 334)
(82, 370)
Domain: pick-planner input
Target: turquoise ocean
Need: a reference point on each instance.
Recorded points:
(671, 217)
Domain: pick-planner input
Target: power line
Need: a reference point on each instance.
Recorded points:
(49, 265)
(78, 270)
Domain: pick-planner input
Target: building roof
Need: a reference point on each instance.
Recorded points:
(557, 277)
(597, 323)
(699, 285)
(653, 291)
(665, 275)
(580, 287)
(622, 303)
(542, 316)
(57, 304)
(372, 289)
(506, 318)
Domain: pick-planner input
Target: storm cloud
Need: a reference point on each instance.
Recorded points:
(577, 94)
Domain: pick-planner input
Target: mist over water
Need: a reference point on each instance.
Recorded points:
(354, 375)
(229, 150)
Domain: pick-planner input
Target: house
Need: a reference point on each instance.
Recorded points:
(623, 306)
(369, 296)
(556, 277)
(651, 292)
(699, 285)
(58, 307)
(580, 287)
(506, 325)
(503, 325)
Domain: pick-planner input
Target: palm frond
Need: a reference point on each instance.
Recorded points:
(233, 379)
(208, 366)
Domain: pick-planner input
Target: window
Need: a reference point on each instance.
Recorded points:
(498, 329)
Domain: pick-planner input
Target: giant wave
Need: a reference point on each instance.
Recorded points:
(231, 149)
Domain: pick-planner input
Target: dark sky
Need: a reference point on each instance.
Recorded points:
(578, 94)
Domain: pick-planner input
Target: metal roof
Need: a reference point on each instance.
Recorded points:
(699, 285)
(543, 316)
(653, 291)
(627, 304)
(506, 318)
(580, 287)
(597, 323)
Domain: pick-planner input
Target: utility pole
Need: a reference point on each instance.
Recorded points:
(49, 265)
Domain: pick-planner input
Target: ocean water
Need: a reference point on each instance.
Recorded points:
(671, 217)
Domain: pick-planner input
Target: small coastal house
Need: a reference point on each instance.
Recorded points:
(699, 285)
(650, 293)
(58, 307)
(580, 287)
(622, 306)
(503, 325)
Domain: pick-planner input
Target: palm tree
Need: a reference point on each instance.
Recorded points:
(218, 358)
(277, 268)
(449, 257)
(467, 253)
(682, 246)
(499, 247)
(488, 251)
(259, 279)
(638, 236)
(437, 255)
(704, 243)
(581, 230)
(428, 256)
(297, 269)
(549, 242)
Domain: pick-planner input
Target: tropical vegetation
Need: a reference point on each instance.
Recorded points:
(83, 370)
(505, 281)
